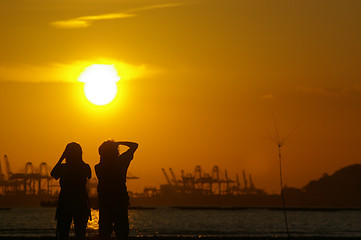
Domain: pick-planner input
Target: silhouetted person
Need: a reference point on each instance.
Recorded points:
(73, 200)
(112, 189)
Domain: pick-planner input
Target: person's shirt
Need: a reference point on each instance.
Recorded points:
(73, 197)
(73, 177)
(112, 175)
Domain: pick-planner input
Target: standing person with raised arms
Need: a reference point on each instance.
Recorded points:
(73, 202)
(113, 196)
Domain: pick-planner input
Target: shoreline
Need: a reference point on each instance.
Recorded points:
(192, 238)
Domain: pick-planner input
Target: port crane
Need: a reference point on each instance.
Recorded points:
(209, 184)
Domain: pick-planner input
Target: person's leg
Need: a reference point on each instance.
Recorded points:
(105, 224)
(63, 226)
(80, 224)
(121, 224)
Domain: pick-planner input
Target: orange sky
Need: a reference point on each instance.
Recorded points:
(200, 83)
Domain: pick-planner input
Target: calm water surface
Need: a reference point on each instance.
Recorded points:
(173, 222)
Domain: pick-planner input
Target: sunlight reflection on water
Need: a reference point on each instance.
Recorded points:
(253, 222)
(94, 223)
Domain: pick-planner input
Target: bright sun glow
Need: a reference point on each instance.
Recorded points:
(100, 83)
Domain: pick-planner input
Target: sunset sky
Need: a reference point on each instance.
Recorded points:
(201, 84)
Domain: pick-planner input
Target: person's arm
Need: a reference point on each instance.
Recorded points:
(55, 173)
(128, 155)
(132, 146)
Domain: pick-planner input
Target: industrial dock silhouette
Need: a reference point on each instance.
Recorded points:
(34, 185)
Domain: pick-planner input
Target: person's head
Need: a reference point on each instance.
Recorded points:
(73, 153)
(108, 150)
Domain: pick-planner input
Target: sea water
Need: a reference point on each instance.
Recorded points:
(166, 221)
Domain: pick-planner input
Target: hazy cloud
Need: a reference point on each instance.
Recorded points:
(320, 91)
(353, 91)
(268, 96)
(69, 72)
(86, 21)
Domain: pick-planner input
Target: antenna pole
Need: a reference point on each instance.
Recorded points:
(280, 142)
(282, 193)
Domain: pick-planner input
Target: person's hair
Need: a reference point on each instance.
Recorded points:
(108, 150)
(74, 152)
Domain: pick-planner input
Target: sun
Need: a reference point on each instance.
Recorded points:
(100, 83)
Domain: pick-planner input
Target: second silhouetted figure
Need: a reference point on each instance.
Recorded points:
(112, 190)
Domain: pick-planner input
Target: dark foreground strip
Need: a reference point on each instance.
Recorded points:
(194, 238)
